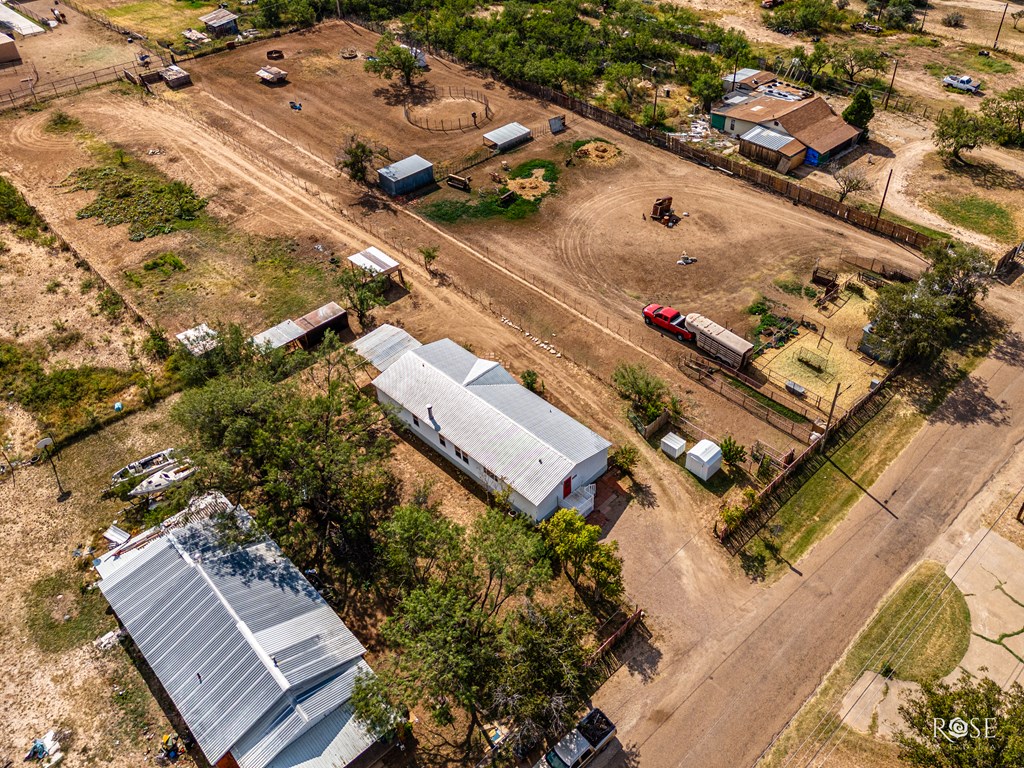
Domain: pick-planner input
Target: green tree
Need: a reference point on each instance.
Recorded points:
(363, 292)
(1005, 114)
(530, 379)
(651, 118)
(622, 77)
(803, 16)
(960, 271)
(645, 392)
(732, 452)
(376, 703)
(355, 158)
(577, 547)
(814, 61)
(625, 458)
(913, 320)
(965, 724)
(544, 676)
(429, 254)
(1017, 16)
(707, 89)
(302, 13)
(419, 544)
(157, 345)
(959, 131)
(860, 110)
(269, 16)
(306, 456)
(390, 59)
(851, 60)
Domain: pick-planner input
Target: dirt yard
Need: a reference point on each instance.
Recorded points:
(75, 48)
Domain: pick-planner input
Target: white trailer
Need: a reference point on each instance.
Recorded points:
(719, 342)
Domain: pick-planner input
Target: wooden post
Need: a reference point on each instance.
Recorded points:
(831, 410)
(885, 104)
(995, 45)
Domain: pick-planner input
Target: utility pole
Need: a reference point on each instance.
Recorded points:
(924, 18)
(886, 192)
(832, 410)
(885, 104)
(996, 43)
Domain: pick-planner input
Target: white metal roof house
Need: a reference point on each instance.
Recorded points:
(475, 414)
(259, 666)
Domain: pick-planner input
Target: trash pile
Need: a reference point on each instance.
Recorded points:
(45, 751)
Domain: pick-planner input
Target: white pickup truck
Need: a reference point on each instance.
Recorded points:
(585, 742)
(963, 82)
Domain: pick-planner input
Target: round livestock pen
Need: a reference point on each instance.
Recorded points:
(451, 109)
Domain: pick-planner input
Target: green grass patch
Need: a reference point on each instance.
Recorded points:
(823, 501)
(990, 65)
(986, 217)
(936, 646)
(64, 400)
(938, 234)
(61, 122)
(165, 264)
(921, 41)
(766, 401)
(14, 210)
(488, 207)
(63, 614)
(129, 191)
(525, 170)
(789, 285)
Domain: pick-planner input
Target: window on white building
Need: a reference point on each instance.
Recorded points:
(415, 420)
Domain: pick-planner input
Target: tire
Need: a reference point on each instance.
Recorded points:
(680, 337)
(648, 321)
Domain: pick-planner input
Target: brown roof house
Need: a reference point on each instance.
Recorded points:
(785, 133)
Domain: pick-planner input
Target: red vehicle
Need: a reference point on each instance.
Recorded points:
(668, 319)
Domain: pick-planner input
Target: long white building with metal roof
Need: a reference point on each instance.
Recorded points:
(475, 414)
(257, 663)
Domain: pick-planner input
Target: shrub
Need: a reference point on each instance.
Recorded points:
(733, 452)
(165, 264)
(530, 380)
(625, 458)
(646, 393)
(954, 20)
(110, 304)
(732, 516)
(61, 122)
(157, 345)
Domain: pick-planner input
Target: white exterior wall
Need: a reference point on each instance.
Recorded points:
(585, 472)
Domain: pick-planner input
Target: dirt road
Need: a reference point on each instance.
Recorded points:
(721, 700)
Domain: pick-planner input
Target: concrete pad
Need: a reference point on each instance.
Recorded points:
(861, 701)
(889, 720)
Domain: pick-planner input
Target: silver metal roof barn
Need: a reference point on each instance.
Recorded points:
(383, 345)
(250, 653)
(507, 136)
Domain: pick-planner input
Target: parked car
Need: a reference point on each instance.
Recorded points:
(585, 742)
(668, 319)
(963, 82)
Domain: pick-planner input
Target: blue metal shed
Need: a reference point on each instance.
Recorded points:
(406, 175)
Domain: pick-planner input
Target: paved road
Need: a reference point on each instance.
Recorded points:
(721, 693)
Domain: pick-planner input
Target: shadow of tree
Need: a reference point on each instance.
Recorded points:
(639, 654)
(754, 564)
(1010, 350)
(643, 494)
(970, 403)
(624, 756)
(986, 175)
(398, 94)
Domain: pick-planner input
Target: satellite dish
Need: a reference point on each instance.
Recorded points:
(45, 443)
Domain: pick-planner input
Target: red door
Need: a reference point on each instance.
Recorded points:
(567, 488)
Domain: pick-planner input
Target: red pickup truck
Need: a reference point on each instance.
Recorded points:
(668, 319)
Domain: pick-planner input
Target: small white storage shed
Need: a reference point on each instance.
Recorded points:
(673, 445)
(704, 459)
(507, 137)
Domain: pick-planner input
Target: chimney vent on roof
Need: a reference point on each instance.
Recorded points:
(430, 412)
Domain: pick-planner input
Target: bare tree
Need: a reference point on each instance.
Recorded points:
(849, 180)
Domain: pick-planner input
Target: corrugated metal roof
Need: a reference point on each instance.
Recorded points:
(335, 741)
(374, 260)
(198, 340)
(236, 634)
(740, 75)
(325, 314)
(383, 345)
(405, 168)
(482, 409)
(507, 135)
(281, 334)
(769, 139)
(218, 17)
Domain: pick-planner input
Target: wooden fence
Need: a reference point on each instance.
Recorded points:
(464, 122)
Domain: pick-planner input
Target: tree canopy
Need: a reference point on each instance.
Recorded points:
(860, 110)
(391, 58)
(959, 131)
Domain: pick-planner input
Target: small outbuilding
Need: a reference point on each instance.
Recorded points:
(673, 445)
(271, 75)
(221, 22)
(874, 347)
(175, 76)
(507, 137)
(406, 176)
(376, 263)
(704, 459)
(315, 324)
(199, 340)
(8, 50)
(283, 334)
